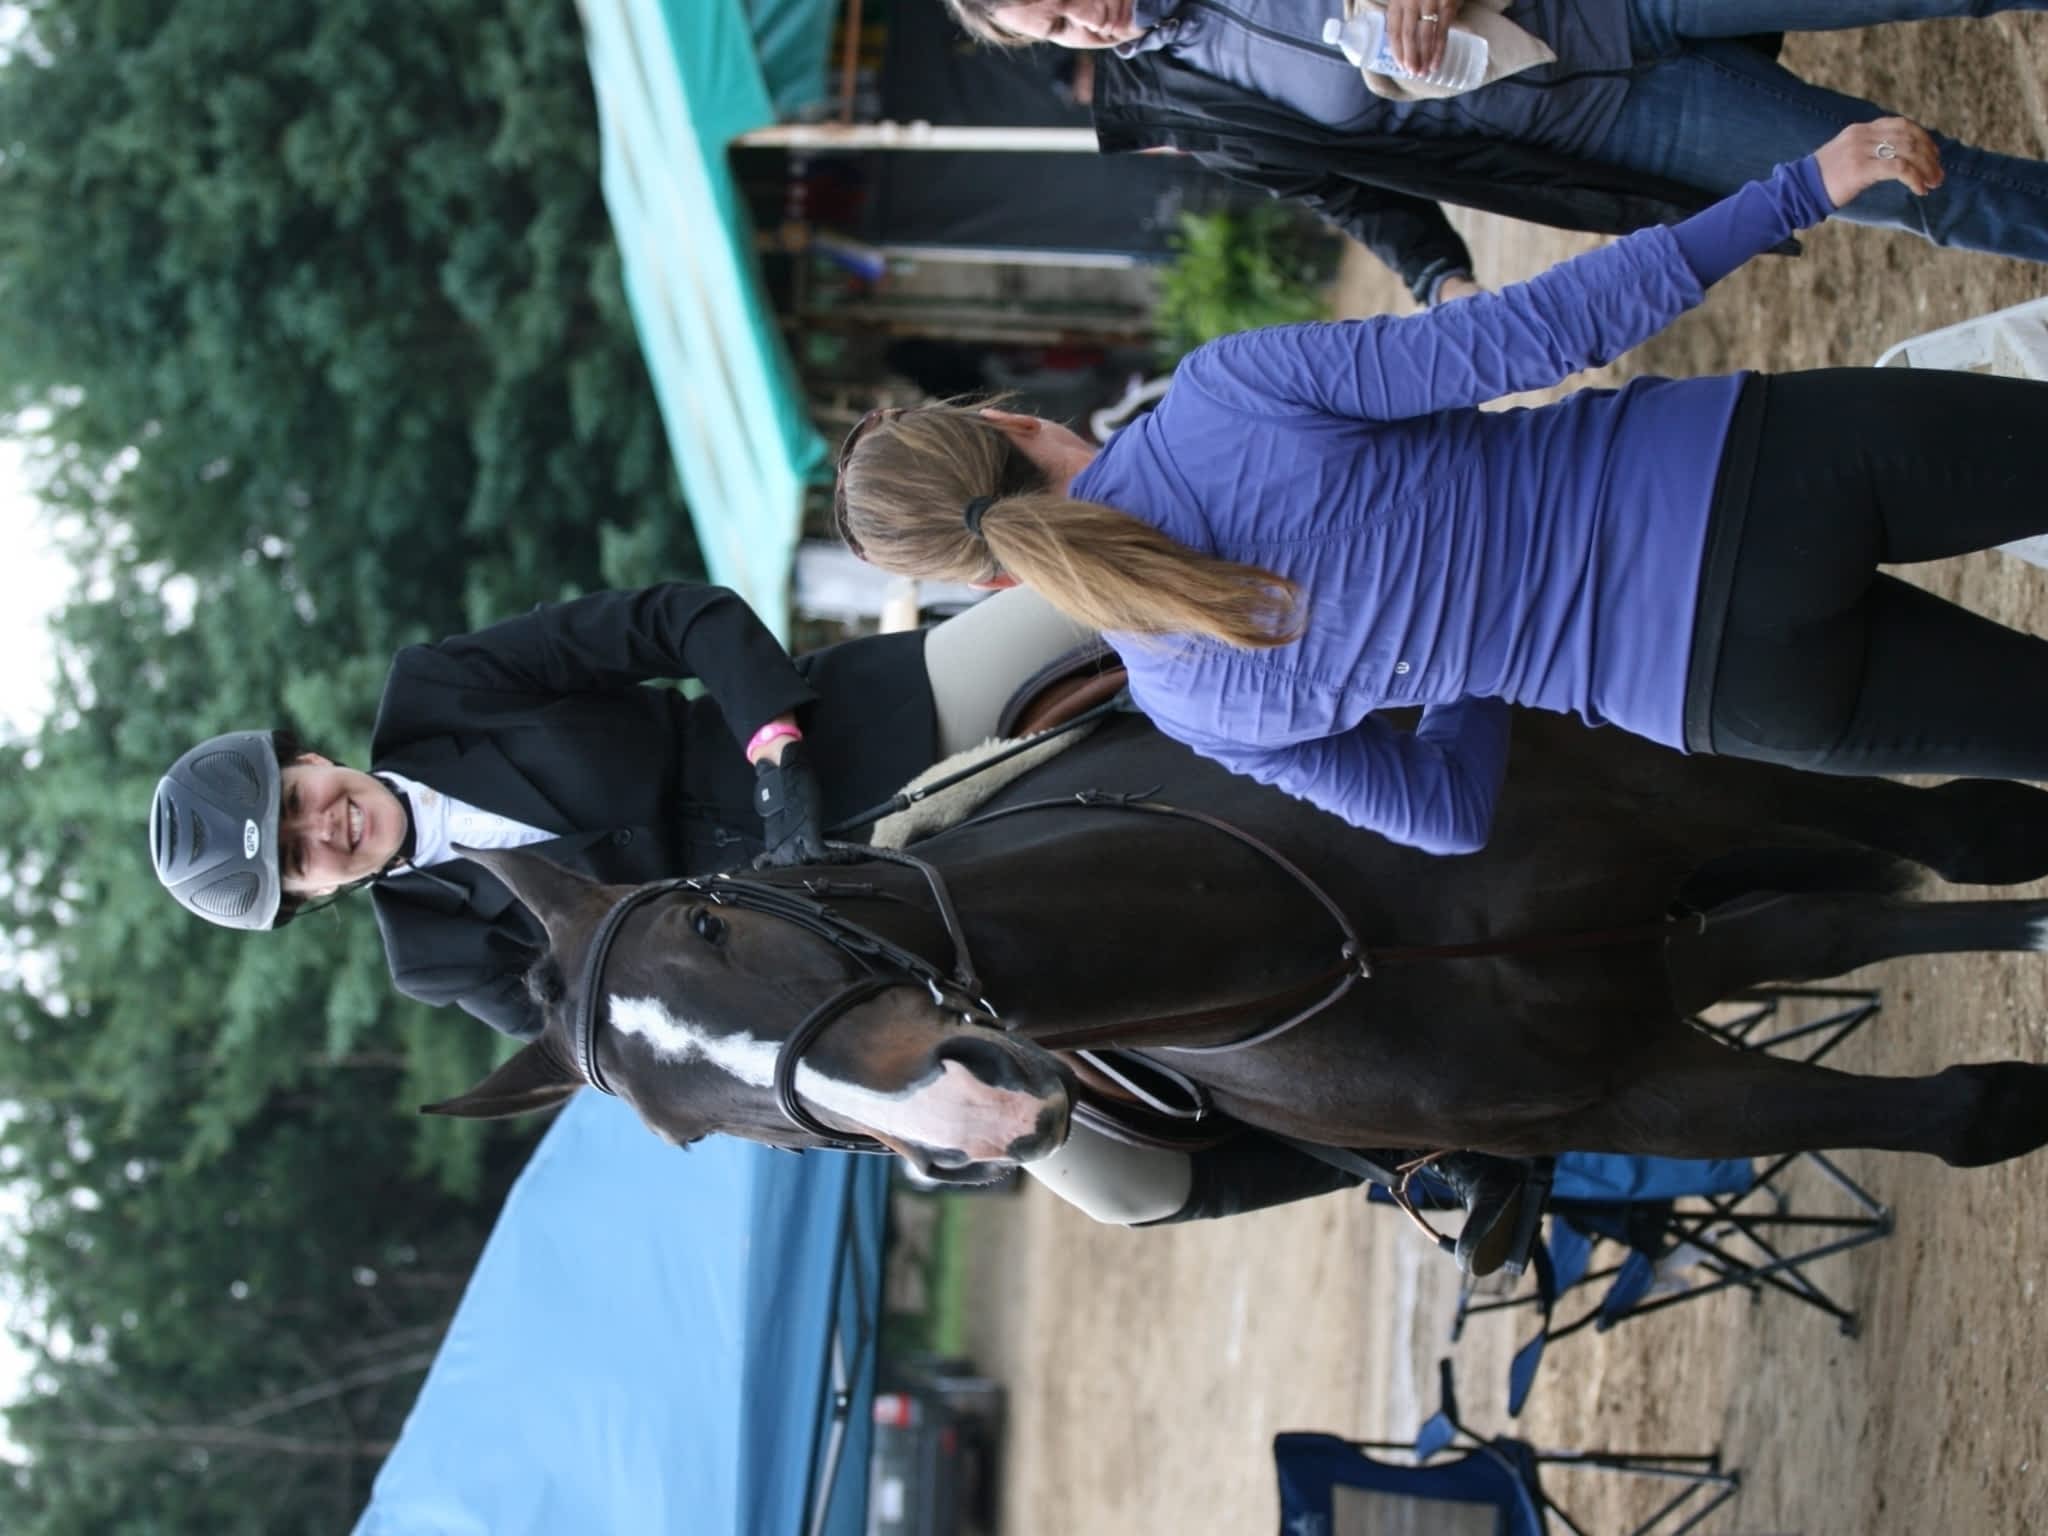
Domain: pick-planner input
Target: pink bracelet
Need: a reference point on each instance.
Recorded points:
(773, 731)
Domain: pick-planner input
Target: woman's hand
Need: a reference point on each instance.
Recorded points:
(1416, 30)
(776, 745)
(1456, 287)
(1864, 154)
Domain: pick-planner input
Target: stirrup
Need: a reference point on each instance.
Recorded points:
(1501, 1225)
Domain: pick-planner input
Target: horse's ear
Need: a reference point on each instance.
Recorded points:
(531, 1080)
(546, 889)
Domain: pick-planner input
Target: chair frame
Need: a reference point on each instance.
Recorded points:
(1701, 1477)
(1698, 1473)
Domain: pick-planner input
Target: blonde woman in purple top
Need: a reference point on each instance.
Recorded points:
(1318, 523)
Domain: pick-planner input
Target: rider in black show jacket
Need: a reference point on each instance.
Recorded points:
(541, 719)
(544, 720)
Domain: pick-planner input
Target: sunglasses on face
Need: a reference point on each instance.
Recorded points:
(839, 517)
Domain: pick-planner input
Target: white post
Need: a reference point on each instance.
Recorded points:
(919, 135)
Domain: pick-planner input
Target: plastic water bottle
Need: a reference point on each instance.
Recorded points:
(1363, 40)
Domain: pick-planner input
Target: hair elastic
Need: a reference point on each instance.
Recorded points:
(974, 511)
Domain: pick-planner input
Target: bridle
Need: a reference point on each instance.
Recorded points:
(887, 965)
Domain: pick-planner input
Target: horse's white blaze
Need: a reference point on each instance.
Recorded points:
(956, 1112)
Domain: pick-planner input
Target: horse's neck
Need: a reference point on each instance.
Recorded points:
(1112, 922)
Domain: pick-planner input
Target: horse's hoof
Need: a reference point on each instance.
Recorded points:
(2009, 1117)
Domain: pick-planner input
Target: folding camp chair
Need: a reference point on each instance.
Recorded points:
(1460, 1484)
(1689, 1228)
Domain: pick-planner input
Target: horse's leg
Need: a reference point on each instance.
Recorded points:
(1807, 937)
(1693, 1097)
(1968, 831)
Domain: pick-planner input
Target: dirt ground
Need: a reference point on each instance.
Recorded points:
(1149, 1370)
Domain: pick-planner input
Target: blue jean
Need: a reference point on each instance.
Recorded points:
(1715, 114)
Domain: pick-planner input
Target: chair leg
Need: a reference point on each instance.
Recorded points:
(1858, 1008)
(1702, 1477)
(1779, 1270)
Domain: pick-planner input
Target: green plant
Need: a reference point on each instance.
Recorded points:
(938, 1325)
(1239, 269)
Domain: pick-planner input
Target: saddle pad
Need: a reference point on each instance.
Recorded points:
(949, 807)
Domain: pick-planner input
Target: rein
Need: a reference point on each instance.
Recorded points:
(887, 965)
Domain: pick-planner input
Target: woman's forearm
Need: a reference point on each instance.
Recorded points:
(1748, 222)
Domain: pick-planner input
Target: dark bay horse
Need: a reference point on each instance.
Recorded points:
(1524, 999)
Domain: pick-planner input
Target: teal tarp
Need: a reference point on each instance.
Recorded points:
(676, 81)
(791, 39)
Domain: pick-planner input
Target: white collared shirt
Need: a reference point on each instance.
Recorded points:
(440, 822)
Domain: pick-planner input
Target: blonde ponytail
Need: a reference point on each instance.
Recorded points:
(907, 480)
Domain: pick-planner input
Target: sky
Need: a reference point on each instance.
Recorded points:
(33, 578)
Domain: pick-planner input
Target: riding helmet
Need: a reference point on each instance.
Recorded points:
(213, 830)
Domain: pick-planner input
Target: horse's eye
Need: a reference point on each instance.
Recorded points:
(708, 925)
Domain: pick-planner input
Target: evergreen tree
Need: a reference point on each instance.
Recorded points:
(312, 316)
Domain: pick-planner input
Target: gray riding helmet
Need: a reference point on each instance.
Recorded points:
(213, 830)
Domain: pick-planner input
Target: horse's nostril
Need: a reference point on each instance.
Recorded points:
(988, 1061)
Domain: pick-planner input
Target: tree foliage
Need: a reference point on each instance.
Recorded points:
(312, 317)
(1238, 269)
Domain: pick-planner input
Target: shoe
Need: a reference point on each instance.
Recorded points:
(1502, 1209)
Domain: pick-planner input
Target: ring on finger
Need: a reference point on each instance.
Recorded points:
(1885, 150)
(1428, 18)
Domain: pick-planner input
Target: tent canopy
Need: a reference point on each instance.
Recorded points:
(652, 1342)
(677, 81)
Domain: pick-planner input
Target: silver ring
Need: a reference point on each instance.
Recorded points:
(1884, 150)
(1429, 17)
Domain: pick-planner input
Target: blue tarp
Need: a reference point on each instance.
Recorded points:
(648, 1346)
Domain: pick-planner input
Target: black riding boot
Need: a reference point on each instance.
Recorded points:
(1503, 1200)
(1503, 1197)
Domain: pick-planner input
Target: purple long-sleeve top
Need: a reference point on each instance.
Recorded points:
(1454, 558)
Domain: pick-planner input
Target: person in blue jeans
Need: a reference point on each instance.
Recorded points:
(1318, 522)
(1651, 110)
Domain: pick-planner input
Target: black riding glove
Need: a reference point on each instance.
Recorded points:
(786, 794)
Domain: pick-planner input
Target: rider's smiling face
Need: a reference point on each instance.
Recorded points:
(1070, 23)
(334, 825)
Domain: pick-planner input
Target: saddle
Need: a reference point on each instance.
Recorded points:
(1065, 687)
(1070, 684)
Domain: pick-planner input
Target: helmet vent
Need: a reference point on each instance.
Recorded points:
(229, 776)
(166, 850)
(227, 898)
(196, 836)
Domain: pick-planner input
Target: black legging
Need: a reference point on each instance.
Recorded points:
(1828, 664)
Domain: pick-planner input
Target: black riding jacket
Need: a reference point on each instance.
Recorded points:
(542, 719)
(1383, 190)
